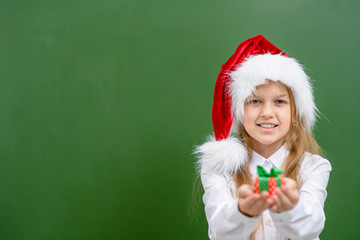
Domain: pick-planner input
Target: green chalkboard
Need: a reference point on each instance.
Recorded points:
(103, 101)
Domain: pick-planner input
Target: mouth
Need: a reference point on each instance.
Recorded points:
(267, 125)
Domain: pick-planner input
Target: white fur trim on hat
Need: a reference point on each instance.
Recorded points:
(224, 157)
(256, 70)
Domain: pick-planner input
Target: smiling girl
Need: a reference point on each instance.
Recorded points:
(263, 113)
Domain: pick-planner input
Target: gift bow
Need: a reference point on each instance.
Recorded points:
(274, 172)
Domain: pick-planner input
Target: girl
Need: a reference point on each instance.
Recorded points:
(263, 113)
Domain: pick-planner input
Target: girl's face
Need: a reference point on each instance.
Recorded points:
(267, 117)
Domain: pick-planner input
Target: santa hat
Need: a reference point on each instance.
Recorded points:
(254, 62)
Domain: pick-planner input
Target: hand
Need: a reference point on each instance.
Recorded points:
(286, 197)
(250, 203)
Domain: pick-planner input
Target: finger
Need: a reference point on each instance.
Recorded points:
(289, 183)
(290, 189)
(244, 191)
(257, 207)
(261, 203)
(246, 205)
(267, 200)
(285, 202)
(249, 201)
(264, 194)
(291, 194)
(285, 180)
(273, 208)
(270, 201)
(276, 205)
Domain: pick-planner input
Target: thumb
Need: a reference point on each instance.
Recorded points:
(244, 191)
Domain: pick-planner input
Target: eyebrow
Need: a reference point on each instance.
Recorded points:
(282, 95)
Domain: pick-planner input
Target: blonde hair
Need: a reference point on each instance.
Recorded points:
(298, 140)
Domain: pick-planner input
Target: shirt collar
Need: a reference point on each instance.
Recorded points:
(276, 159)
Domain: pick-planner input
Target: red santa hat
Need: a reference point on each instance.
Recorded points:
(254, 62)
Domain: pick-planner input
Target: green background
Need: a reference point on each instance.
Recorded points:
(103, 101)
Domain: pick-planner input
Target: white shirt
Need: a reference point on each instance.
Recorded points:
(305, 221)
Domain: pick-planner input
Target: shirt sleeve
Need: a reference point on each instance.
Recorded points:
(225, 221)
(306, 220)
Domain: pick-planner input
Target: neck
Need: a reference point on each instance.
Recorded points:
(266, 150)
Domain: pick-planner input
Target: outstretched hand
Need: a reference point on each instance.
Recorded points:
(286, 197)
(252, 204)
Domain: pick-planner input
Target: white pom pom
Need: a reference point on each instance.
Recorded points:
(224, 157)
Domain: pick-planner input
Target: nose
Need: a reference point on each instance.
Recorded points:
(267, 110)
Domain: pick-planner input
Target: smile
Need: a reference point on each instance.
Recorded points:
(267, 125)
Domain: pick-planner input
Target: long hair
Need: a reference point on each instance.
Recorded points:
(298, 140)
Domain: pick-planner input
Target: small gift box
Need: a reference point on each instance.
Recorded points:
(268, 181)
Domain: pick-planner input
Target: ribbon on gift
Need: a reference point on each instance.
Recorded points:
(268, 181)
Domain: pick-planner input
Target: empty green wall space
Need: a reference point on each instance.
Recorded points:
(103, 102)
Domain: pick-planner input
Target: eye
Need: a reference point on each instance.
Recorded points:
(280, 101)
(254, 101)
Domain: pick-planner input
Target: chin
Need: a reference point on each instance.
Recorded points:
(271, 142)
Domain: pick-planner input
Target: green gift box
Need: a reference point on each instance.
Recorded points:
(268, 181)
